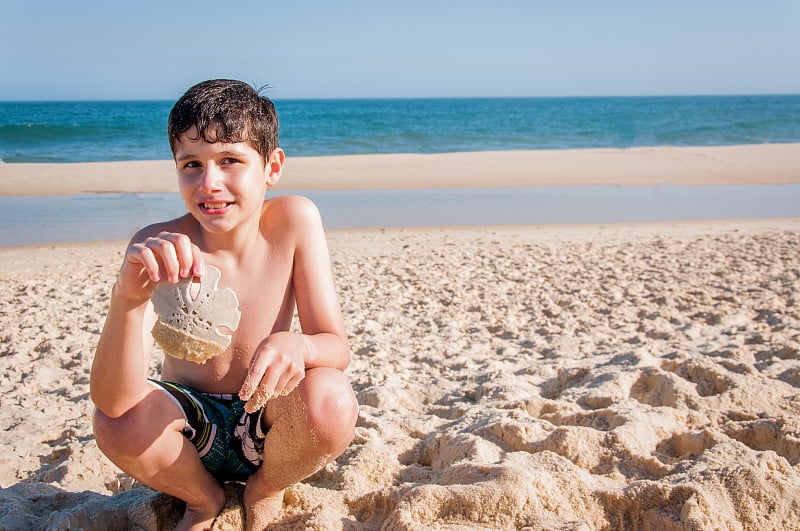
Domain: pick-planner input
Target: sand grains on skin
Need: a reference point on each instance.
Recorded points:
(522, 377)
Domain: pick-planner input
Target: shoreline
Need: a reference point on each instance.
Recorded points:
(640, 166)
(31, 258)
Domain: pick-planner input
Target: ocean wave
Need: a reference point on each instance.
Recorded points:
(98, 131)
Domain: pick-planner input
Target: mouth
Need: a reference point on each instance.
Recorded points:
(214, 207)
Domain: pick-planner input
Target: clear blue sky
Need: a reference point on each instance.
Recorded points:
(93, 49)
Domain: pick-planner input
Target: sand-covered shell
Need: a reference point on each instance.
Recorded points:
(190, 327)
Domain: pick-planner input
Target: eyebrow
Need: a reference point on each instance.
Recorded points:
(226, 152)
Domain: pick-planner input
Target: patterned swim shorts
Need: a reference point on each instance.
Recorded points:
(229, 440)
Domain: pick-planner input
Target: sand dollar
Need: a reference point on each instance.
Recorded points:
(191, 326)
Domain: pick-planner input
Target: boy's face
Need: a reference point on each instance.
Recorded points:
(223, 185)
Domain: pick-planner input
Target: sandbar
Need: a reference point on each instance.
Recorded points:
(746, 164)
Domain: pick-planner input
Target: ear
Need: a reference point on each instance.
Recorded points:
(274, 167)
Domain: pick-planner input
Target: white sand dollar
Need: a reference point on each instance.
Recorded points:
(190, 327)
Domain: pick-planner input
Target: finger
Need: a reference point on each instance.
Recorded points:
(177, 254)
(166, 252)
(258, 400)
(198, 264)
(283, 370)
(249, 386)
(142, 255)
(290, 376)
(270, 379)
(252, 380)
(185, 251)
(259, 397)
(290, 386)
(281, 382)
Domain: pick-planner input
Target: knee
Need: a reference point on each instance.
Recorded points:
(332, 408)
(132, 433)
(109, 432)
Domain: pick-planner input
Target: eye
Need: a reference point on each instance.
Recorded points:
(192, 164)
(230, 160)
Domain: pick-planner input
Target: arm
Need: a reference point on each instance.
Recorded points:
(280, 362)
(317, 302)
(122, 358)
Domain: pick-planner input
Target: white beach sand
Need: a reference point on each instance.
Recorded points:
(748, 164)
(576, 377)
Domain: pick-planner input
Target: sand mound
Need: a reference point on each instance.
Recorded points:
(595, 378)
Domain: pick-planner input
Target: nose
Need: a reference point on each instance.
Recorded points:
(212, 178)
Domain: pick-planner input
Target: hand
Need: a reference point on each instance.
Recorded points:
(276, 369)
(168, 255)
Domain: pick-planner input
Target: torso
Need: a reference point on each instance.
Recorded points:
(262, 281)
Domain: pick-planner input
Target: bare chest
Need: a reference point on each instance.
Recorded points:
(266, 302)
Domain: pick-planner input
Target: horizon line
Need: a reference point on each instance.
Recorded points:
(353, 98)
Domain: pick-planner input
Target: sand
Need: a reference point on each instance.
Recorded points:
(748, 164)
(543, 377)
(624, 376)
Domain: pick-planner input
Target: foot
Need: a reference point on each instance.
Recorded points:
(262, 511)
(197, 519)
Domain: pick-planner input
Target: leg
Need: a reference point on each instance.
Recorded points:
(146, 442)
(308, 429)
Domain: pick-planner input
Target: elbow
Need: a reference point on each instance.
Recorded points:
(339, 361)
(111, 410)
(107, 407)
(344, 362)
(100, 398)
(333, 351)
(108, 402)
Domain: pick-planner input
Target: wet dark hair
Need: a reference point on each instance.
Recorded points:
(225, 110)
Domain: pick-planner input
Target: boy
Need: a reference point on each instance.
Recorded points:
(188, 434)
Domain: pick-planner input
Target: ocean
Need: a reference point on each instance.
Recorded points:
(136, 130)
(60, 132)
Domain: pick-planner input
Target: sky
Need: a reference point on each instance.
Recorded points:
(147, 49)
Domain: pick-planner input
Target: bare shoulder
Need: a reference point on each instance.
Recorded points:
(183, 224)
(293, 213)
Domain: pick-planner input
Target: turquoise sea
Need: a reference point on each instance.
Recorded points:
(135, 130)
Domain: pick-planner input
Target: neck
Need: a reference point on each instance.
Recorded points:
(234, 244)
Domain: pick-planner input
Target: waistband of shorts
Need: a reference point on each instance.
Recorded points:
(220, 396)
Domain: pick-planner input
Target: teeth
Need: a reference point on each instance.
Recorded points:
(214, 206)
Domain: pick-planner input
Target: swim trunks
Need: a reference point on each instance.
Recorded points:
(230, 441)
